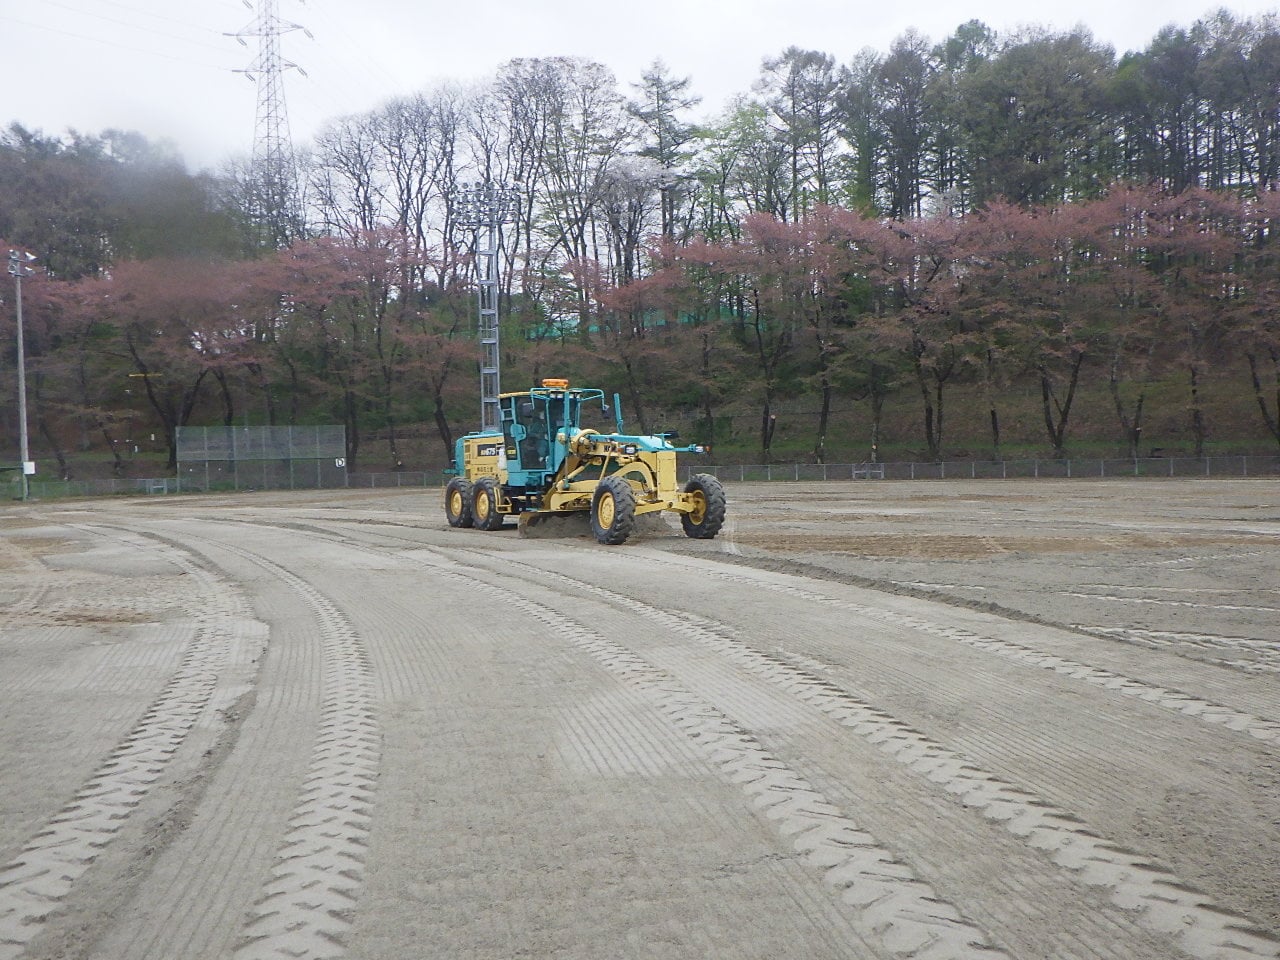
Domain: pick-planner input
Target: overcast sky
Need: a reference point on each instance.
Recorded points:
(168, 69)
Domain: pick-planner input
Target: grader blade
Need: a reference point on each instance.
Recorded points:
(654, 525)
(561, 526)
(555, 526)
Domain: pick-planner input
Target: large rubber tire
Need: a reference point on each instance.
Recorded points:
(613, 511)
(706, 519)
(484, 504)
(457, 502)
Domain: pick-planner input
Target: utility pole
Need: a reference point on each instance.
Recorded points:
(485, 207)
(18, 269)
(273, 181)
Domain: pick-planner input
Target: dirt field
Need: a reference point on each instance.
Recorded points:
(871, 720)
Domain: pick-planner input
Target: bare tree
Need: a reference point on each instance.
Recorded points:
(344, 181)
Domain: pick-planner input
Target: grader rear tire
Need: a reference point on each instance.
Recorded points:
(613, 511)
(457, 502)
(707, 517)
(484, 505)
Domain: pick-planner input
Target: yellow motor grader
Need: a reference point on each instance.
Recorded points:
(544, 464)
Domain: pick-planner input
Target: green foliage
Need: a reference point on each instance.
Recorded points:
(924, 234)
(81, 203)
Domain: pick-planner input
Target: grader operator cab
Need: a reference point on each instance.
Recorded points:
(544, 464)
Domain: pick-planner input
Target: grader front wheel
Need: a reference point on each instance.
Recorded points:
(613, 511)
(706, 518)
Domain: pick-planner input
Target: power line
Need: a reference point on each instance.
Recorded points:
(367, 60)
(132, 26)
(113, 43)
(158, 16)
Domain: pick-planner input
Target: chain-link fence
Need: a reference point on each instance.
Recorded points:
(299, 474)
(261, 458)
(1241, 466)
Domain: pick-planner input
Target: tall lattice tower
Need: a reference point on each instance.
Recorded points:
(485, 207)
(273, 187)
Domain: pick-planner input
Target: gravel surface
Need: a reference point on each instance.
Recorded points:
(1019, 719)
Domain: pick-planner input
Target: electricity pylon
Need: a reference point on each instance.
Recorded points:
(273, 187)
(484, 207)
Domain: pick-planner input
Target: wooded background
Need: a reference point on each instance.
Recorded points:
(982, 246)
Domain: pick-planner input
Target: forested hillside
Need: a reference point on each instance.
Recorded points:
(964, 237)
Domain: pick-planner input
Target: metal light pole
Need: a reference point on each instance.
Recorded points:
(484, 207)
(18, 269)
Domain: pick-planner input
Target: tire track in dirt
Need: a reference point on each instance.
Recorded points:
(893, 909)
(33, 593)
(40, 878)
(891, 905)
(609, 736)
(1264, 655)
(1203, 710)
(1163, 903)
(1201, 559)
(1160, 602)
(305, 908)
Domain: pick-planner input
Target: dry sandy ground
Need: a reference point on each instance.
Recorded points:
(871, 720)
